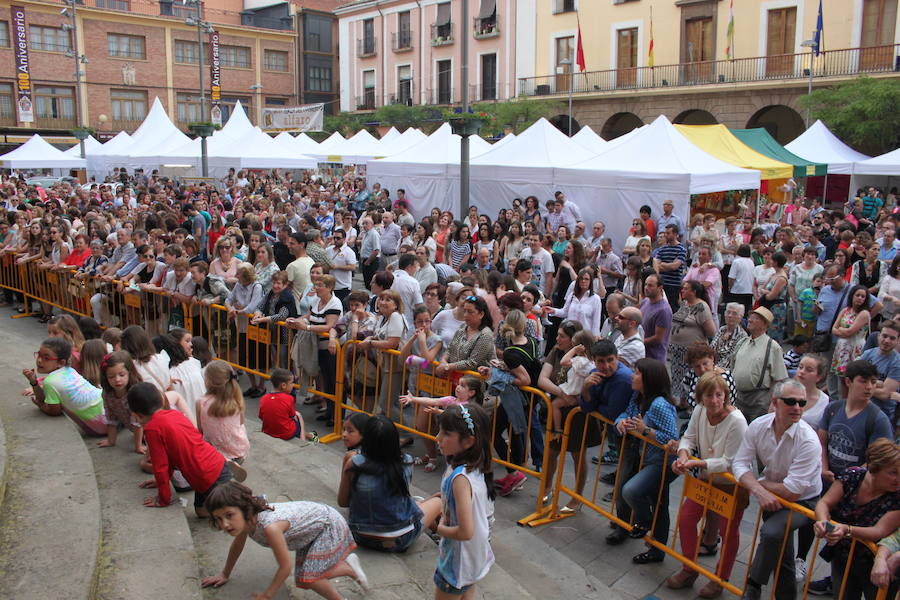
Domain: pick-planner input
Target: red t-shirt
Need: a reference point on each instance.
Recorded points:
(276, 411)
(175, 443)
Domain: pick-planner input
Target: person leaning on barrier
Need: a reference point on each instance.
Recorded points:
(865, 504)
(716, 447)
(791, 453)
(757, 363)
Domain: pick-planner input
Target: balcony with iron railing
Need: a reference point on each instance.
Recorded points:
(483, 93)
(402, 41)
(128, 125)
(441, 35)
(486, 28)
(55, 122)
(829, 64)
(366, 47)
(366, 101)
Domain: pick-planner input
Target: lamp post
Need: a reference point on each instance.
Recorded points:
(71, 11)
(204, 132)
(568, 63)
(811, 44)
(464, 141)
(257, 89)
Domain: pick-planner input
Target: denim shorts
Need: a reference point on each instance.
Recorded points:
(396, 545)
(445, 587)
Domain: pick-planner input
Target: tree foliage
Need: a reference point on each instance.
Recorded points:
(862, 112)
(514, 115)
(518, 114)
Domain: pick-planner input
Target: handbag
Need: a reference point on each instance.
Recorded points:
(821, 340)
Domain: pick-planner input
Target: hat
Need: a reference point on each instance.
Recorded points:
(453, 287)
(765, 313)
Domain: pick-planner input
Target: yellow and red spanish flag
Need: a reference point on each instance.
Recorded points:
(650, 59)
(579, 49)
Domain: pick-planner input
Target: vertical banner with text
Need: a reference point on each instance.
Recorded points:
(215, 80)
(24, 101)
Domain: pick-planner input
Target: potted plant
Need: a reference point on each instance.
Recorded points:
(202, 129)
(82, 133)
(467, 123)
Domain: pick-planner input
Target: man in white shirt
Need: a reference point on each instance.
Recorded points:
(740, 278)
(542, 267)
(598, 233)
(298, 269)
(792, 455)
(343, 264)
(630, 345)
(406, 285)
(426, 275)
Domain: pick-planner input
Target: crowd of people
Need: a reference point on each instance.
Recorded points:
(761, 347)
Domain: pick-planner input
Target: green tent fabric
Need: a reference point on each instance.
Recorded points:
(760, 140)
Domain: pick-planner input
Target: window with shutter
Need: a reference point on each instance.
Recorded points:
(877, 35)
(780, 41)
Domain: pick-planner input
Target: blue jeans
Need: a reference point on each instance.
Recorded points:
(638, 491)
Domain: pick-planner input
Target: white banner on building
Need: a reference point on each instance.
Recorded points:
(309, 117)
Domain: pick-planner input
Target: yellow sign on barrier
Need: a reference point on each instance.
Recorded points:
(706, 494)
(432, 385)
(259, 334)
(133, 300)
(52, 278)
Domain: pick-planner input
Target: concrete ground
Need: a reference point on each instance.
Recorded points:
(79, 504)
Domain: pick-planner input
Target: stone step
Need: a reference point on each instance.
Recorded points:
(50, 522)
(147, 552)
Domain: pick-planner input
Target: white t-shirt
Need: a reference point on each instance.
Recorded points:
(761, 274)
(742, 273)
(541, 263)
(410, 293)
(190, 382)
(393, 326)
(156, 371)
(813, 415)
(445, 325)
(342, 257)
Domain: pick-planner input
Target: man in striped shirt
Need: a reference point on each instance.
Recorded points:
(672, 258)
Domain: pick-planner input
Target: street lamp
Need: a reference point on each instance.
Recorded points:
(71, 11)
(568, 63)
(464, 141)
(813, 46)
(257, 88)
(202, 26)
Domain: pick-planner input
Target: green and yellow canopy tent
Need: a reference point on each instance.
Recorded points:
(762, 141)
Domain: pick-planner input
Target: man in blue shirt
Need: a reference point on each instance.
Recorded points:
(669, 218)
(608, 388)
(887, 361)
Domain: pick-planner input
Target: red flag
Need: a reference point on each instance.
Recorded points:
(579, 51)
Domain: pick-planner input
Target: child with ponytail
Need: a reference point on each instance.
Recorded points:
(220, 413)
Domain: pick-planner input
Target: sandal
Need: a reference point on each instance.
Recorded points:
(709, 549)
(429, 462)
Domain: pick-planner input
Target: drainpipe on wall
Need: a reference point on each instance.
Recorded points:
(383, 54)
(421, 43)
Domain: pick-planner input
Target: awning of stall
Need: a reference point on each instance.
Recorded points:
(721, 143)
(762, 141)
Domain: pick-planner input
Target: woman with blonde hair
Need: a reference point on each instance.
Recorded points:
(220, 413)
(714, 433)
(225, 264)
(390, 328)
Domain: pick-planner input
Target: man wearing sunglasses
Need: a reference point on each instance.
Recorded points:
(791, 453)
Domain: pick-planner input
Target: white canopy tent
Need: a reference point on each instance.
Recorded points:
(652, 164)
(588, 138)
(358, 149)
(156, 135)
(98, 161)
(428, 171)
(886, 164)
(504, 140)
(818, 144)
(305, 144)
(389, 135)
(91, 145)
(407, 140)
(37, 153)
(330, 144)
(524, 166)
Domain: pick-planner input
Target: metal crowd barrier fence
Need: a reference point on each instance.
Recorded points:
(721, 502)
(375, 380)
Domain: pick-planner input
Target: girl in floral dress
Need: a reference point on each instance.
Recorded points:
(316, 532)
(851, 329)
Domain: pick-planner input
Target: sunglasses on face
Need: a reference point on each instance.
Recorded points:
(794, 402)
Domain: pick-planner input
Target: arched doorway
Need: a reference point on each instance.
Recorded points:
(561, 122)
(782, 122)
(696, 116)
(619, 124)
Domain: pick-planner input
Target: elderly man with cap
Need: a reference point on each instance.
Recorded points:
(757, 364)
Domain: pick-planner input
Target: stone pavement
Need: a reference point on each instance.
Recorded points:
(80, 504)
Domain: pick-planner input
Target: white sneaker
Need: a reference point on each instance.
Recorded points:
(361, 579)
(800, 569)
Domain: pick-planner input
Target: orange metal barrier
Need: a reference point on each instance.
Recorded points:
(712, 499)
(375, 379)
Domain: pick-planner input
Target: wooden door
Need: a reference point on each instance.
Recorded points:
(699, 50)
(876, 51)
(626, 57)
(781, 36)
(565, 51)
